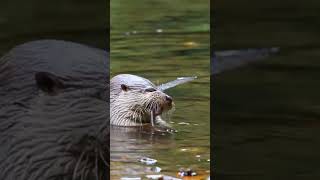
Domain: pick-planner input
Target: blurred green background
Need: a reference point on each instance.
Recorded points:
(74, 20)
(266, 115)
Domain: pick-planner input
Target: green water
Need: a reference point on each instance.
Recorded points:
(162, 40)
(267, 114)
(78, 21)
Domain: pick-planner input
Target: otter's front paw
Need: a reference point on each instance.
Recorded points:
(166, 128)
(171, 130)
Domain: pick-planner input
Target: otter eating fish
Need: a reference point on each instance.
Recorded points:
(136, 101)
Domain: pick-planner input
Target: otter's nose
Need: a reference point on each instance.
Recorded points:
(169, 99)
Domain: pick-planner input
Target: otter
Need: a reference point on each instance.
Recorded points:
(54, 112)
(136, 101)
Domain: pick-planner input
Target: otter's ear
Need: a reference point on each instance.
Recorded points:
(48, 82)
(124, 87)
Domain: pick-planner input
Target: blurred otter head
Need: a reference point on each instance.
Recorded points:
(54, 121)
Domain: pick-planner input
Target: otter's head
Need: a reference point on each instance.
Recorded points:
(136, 101)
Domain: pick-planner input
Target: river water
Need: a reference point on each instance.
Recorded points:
(162, 40)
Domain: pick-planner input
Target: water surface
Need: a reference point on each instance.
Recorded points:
(84, 22)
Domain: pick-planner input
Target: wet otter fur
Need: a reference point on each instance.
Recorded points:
(54, 112)
(136, 101)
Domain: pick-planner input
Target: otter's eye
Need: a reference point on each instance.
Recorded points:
(150, 90)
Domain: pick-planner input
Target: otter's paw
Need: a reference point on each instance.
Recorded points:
(164, 128)
(171, 130)
(160, 123)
